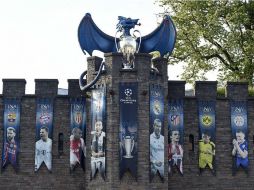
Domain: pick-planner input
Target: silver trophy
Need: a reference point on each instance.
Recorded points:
(127, 43)
(128, 146)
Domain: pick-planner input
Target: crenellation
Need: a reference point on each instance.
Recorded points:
(46, 87)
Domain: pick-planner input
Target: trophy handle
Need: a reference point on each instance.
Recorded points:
(86, 87)
(117, 49)
(136, 38)
(122, 145)
(132, 144)
(121, 150)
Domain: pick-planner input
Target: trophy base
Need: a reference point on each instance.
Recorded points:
(127, 67)
(128, 156)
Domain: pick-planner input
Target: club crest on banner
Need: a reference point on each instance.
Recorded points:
(12, 113)
(78, 113)
(12, 117)
(78, 117)
(206, 120)
(44, 115)
(175, 120)
(239, 121)
(157, 107)
(44, 118)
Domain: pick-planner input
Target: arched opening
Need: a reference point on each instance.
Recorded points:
(191, 143)
(60, 143)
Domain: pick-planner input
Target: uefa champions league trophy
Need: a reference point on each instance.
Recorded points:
(128, 145)
(127, 44)
(91, 38)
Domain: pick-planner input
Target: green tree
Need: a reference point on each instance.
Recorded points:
(213, 35)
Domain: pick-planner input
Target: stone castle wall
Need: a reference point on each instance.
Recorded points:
(60, 178)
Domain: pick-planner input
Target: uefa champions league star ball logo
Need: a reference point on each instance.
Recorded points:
(128, 92)
(128, 96)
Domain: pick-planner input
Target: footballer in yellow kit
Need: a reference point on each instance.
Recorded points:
(206, 152)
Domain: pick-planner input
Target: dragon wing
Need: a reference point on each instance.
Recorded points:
(162, 39)
(92, 38)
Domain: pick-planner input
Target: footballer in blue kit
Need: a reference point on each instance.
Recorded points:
(10, 148)
(240, 151)
(241, 160)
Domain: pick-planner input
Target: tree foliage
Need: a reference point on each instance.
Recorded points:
(213, 35)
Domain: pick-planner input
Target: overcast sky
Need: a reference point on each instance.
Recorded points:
(38, 38)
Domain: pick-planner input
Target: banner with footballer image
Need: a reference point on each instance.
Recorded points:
(239, 128)
(78, 133)
(98, 132)
(175, 136)
(207, 131)
(128, 102)
(156, 131)
(44, 133)
(11, 146)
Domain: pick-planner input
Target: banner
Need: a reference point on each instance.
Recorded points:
(11, 133)
(156, 131)
(78, 133)
(239, 126)
(98, 138)
(207, 129)
(175, 136)
(128, 101)
(44, 133)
